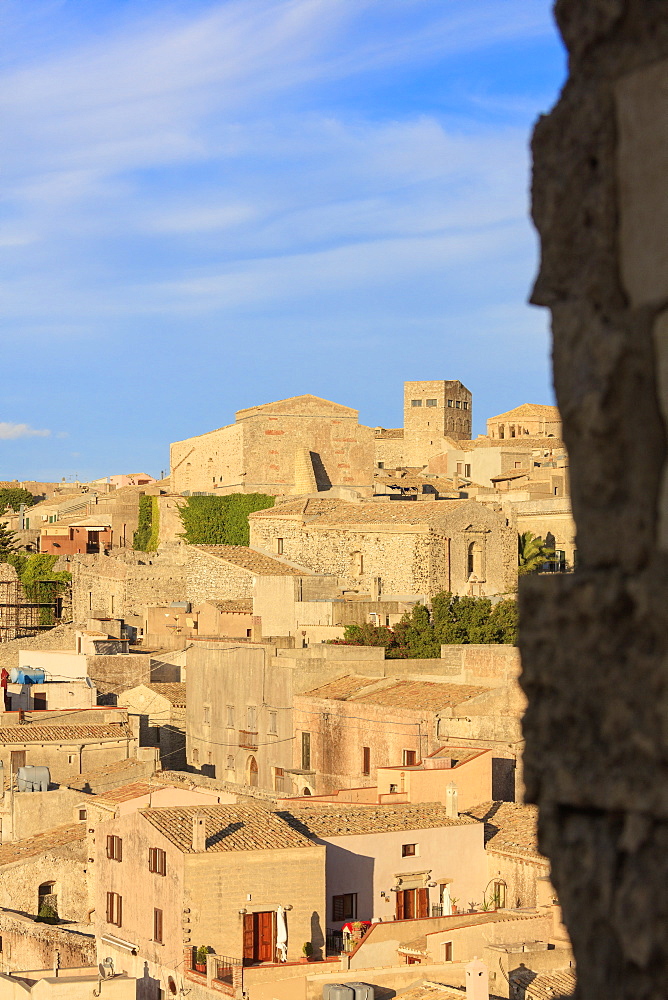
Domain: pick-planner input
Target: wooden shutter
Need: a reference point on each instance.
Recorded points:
(151, 861)
(110, 907)
(119, 911)
(119, 848)
(400, 905)
(338, 908)
(110, 848)
(162, 862)
(423, 902)
(157, 925)
(266, 947)
(248, 937)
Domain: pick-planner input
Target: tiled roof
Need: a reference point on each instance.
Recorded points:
(239, 605)
(422, 695)
(126, 793)
(228, 828)
(329, 820)
(173, 691)
(342, 688)
(64, 734)
(512, 474)
(530, 410)
(509, 827)
(546, 985)
(249, 559)
(371, 512)
(41, 843)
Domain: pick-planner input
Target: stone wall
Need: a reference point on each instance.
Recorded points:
(67, 866)
(123, 584)
(208, 577)
(595, 644)
(27, 945)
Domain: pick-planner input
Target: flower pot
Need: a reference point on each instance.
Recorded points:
(200, 968)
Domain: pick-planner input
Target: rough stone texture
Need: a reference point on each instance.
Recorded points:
(28, 945)
(594, 645)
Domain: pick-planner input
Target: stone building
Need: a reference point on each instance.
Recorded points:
(49, 868)
(433, 411)
(188, 876)
(394, 547)
(291, 446)
(530, 420)
(349, 727)
(158, 714)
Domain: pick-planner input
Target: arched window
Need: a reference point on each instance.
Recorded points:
(307, 791)
(47, 895)
(251, 771)
(475, 559)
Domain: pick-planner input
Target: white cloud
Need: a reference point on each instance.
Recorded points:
(10, 432)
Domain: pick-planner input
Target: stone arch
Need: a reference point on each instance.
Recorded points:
(252, 771)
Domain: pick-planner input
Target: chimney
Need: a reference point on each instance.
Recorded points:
(477, 980)
(451, 803)
(199, 833)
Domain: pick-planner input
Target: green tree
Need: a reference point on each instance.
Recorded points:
(366, 634)
(532, 553)
(502, 624)
(221, 520)
(415, 636)
(42, 584)
(11, 498)
(8, 543)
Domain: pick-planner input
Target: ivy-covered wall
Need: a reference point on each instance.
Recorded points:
(221, 520)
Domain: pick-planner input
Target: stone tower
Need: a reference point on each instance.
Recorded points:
(432, 411)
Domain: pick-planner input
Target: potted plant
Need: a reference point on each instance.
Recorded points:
(454, 900)
(200, 958)
(307, 949)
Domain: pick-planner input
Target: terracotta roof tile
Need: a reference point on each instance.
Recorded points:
(64, 734)
(173, 691)
(254, 562)
(331, 512)
(228, 828)
(126, 793)
(529, 410)
(510, 827)
(41, 843)
(546, 985)
(341, 688)
(328, 820)
(240, 605)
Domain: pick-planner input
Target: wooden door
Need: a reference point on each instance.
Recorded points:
(423, 902)
(17, 759)
(265, 937)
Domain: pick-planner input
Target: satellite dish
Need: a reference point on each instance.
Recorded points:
(106, 968)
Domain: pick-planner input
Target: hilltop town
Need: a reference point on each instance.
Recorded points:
(262, 730)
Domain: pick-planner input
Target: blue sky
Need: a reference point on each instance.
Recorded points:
(209, 204)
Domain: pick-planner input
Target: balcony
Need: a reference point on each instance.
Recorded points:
(248, 740)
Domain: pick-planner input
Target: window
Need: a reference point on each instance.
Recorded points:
(465, 404)
(279, 546)
(230, 717)
(83, 814)
(71, 758)
(432, 402)
(157, 861)
(416, 402)
(450, 403)
(157, 926)
(518, 465)
(114, 909)
(251, 719)
(408, 758)
(273, 723)
(458, 404)
(230, 763)
(446, 951)
(408, 850)
(344, 907)
(460, 466)
(279, 779)
(206, 719)
(499, 896)
(306, 751)
(381, 465)
(394, 789)
(366, 760)
(195, 755)
(115, 848)
(467, 471)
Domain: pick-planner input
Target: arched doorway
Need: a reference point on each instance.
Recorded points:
(251, 771)
(47, 895)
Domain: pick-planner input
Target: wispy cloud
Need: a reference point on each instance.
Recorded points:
(10, 432)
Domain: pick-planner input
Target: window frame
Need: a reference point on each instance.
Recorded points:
(416, 403)
(158, 926)
(409, 850)
(344, 904)
(432, 402)
(157, 861)
(306, 751)
(408, 758)
(115, 909)
(366, 760)
(114, 847)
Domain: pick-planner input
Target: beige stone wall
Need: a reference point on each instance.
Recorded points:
(67, 866)
(69, 758)
(27, 945)
(390, 451)
(425, 426)
(208, 577)
(123, 584)
(258, 453)
(218, 886)
(409, 559)
(521, 875)
(552, 520)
